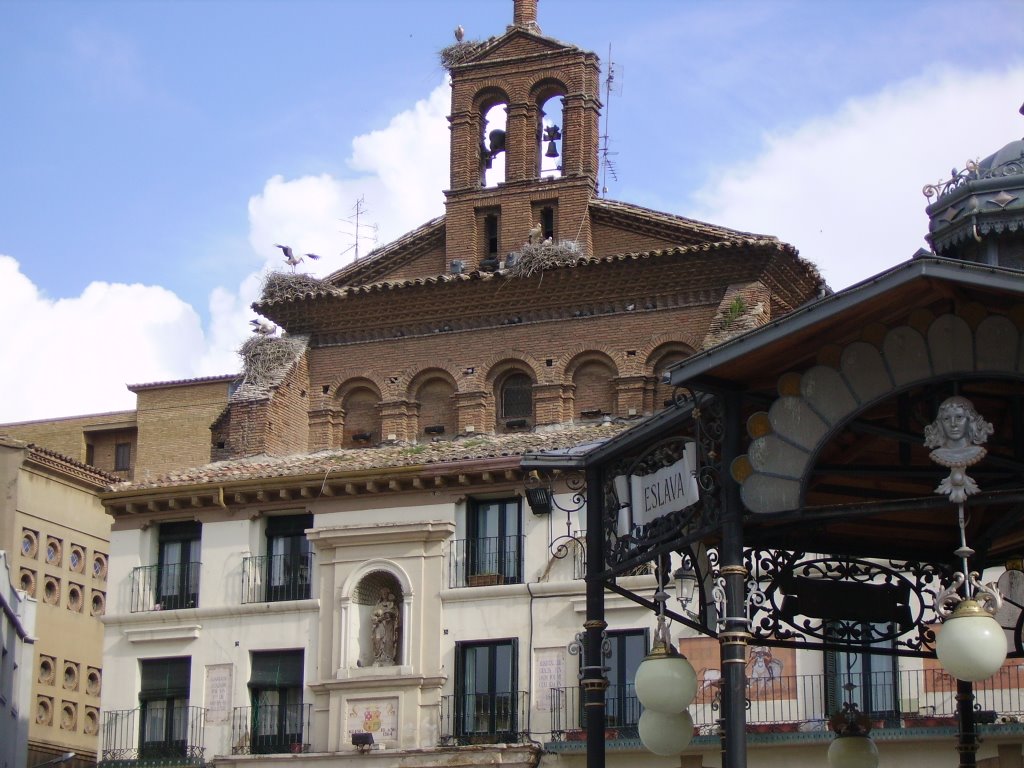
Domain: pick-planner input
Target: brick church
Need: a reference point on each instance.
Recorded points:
(357, 566)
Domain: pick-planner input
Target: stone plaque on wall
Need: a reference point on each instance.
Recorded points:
(550, 674)
(376, 716)
(218, 692)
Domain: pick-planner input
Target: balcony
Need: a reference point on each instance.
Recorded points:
(799, 703)
(165, 587)
(171, 736)
(482, 718)
(273, 578)
(270, 729)
(486, 561)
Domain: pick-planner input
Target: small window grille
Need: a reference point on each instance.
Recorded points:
(122, 457)
(517, 397)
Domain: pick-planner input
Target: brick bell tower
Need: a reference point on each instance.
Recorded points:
(549, 94)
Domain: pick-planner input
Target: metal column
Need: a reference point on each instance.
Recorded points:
(593, 680)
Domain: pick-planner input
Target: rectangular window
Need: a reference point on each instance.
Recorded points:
(866, 679)
(122, 457)
(547, 222)
(288, 557)
(486, 699)
(622, 710)
(164, 717)
(491, 235)
(90, 454)
(278, 715)
(494, 547)
(178, 567)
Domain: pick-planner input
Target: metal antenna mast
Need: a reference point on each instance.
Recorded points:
(354, 220)
(607, 165)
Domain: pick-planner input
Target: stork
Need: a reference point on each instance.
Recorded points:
(289, 258)
(263, 327)
(459, 33)
(535, 231)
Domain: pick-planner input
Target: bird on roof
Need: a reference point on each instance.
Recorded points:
(535, 231)
(263, 327)
(547, 241)
(459, 33)
(289, 258)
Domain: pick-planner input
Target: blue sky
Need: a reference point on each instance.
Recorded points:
(152, 152)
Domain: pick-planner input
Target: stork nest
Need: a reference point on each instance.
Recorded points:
(281, 286)
(531, 258)
(266, 358)
(458, 53)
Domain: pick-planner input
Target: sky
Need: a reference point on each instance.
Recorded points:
(152, 152)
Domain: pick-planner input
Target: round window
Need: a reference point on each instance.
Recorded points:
(29, 543)
(77, 559)
(71, 677)
(44, 711)
(53, 552)
(99, 566)
(51, 592)
(98, 604)
(74, 599)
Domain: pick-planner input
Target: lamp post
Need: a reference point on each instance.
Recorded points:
(666, 685)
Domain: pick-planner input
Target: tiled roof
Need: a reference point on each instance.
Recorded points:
(375, 460)
(721, 245)
(380, 258)
(61, 463)
(617, 208)
(225, 377)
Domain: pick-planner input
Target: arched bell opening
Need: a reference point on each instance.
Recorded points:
(493, 122)
(549, 98)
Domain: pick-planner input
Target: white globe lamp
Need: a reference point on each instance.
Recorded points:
(665, 733)
(971, 645)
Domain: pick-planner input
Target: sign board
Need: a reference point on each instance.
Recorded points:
(645, 498)
(218, 693)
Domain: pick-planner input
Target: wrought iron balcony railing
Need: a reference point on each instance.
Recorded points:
(270, 729)
(165, 587)
(484, 718)
(486, 561)
(907, 699)
(164, 735)
(272, 578)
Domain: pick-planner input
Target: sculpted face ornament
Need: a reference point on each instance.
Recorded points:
(956, 436)
(971, 645)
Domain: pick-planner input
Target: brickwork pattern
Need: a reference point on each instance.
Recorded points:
(174, 426)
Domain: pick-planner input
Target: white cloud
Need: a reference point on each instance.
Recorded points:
(399, 173)
(846, 188)
(76, 355)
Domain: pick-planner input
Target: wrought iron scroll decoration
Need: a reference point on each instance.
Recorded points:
(576, 483)
(778, 575)
(638, 542)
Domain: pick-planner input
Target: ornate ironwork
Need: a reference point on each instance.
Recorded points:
(971, 172)
(813, 599)
(576, 483)
(624, 548)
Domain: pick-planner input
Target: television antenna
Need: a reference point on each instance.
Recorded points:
(605, 153)
(357, 227)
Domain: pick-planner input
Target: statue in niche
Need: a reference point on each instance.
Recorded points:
(385, 622)
(956, 436)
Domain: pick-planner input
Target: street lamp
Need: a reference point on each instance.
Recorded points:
(971, 645)
(852, 747)
(665, 685)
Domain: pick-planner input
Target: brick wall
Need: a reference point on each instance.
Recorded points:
(67, 436)
(174, 425)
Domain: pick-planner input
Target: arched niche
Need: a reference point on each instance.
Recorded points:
(359, 402)
(434, 392)
(592, 375)
(378, 618)
(660, 360)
